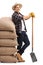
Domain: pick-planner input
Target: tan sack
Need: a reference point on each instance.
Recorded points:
(7, 50)
(6, 24)
(8, 42)
(8, 59)
(7, 34)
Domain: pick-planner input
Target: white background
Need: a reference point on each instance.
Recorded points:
(28, 6)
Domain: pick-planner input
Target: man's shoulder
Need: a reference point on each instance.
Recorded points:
(14, 14)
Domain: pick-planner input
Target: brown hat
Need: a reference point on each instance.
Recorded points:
(14, 6)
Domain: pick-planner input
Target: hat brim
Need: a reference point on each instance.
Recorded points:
(14, 6)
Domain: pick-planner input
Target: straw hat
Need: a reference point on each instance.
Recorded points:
(14, 6)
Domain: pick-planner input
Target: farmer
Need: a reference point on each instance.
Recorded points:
(18, 20)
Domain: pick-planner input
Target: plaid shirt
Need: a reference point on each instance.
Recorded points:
(16, 18)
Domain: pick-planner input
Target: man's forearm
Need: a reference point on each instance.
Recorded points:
(26, 17)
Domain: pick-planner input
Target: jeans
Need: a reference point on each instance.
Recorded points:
(22, 38)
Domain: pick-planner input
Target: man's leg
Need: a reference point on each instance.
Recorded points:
(26, 41)
(19, 40)
(20, 59)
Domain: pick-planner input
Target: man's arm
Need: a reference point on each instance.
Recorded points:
(27, 16)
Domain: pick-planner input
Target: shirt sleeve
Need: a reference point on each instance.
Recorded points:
(14, 18)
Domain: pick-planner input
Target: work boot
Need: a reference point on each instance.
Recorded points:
(20, 59)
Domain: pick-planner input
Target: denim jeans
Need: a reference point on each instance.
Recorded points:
(22, 38)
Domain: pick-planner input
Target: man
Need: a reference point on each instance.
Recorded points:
(18, 19)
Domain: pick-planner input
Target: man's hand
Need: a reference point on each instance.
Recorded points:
(32, 14)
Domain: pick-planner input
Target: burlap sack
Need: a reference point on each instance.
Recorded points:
(7, 35)
(8, 42)
(7, 24)
(8, 59)
(7, 50)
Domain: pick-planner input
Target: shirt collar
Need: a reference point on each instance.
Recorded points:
(17, 12)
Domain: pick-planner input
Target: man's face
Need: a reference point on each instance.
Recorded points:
(17, 8)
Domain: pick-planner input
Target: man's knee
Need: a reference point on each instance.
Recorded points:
(28, 43)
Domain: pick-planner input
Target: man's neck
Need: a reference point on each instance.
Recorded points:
(17, 11)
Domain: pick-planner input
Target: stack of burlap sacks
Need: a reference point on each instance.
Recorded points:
(8, 41)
